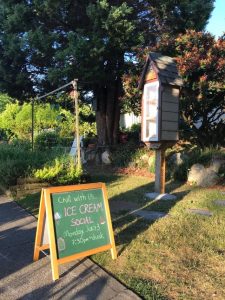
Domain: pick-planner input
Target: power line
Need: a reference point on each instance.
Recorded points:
(56, 90)
(62, 87)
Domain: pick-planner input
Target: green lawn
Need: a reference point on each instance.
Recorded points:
(181, 256)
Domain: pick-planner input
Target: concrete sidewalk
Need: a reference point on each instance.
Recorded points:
(21, 278)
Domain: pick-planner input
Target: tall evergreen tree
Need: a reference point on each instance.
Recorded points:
(44, 44)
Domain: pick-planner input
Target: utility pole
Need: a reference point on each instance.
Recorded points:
(75, 97)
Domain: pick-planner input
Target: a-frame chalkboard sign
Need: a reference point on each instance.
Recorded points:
(74, 222)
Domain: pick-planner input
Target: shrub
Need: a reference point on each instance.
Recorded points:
(180, 173)
(122, 154)
(21, 144)
(134, 132)
(8, 119)
(46, 140)
(61, 171)
(4, 100)
(131, 155)
(16, 119)
(87, 120)
(17, 160)
(66, 141)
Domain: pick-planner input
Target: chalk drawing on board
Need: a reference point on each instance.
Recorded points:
(61, 244)
(57, 217)
(102, 220)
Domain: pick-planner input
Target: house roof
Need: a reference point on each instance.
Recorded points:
(164, 66)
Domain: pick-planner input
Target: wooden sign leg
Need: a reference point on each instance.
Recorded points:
(111, 235)
(53, 253)
(160, 169)
(40, 228)
(113, 252)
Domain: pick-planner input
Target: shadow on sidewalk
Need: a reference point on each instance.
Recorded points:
(17, 232)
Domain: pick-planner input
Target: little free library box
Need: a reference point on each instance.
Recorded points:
(74, 222)
(161, 84)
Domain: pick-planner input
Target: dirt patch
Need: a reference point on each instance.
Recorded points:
(135, 172)
(102, 169)
(217, 187)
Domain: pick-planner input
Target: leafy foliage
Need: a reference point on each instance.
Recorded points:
(87, 120)
(45, 44)
(4, 100)
(133, 156)
(8, 119)
(17, 160)
(51, 122)
(201, 61)
(61, 171)
(16, 119)
(46, 116)
(46, 140)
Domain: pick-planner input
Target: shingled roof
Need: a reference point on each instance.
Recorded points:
(165, 67)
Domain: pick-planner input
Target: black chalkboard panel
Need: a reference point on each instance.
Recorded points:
(80, 222)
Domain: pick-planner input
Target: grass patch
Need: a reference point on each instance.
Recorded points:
(31, 203)
(148, 289)
(178, 257)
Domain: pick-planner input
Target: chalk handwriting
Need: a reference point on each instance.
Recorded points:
(76, 197)
(81, 221)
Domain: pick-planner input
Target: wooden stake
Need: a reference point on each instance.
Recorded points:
(75, 96)
(32, 124)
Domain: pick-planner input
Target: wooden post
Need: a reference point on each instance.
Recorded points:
(32, 124)
(160, 170)
(75, 96)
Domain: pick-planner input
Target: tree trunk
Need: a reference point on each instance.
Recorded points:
(101, 117)
(108, 114)
(108, 102)
(101, 128)
(116, 123)
(118, 94)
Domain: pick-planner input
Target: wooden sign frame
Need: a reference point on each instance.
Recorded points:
(46, 215)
